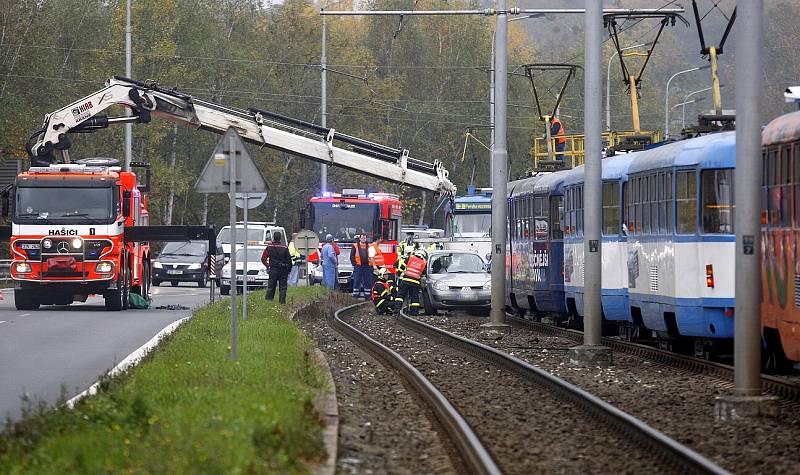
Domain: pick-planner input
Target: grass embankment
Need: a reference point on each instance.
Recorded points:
(188, 408)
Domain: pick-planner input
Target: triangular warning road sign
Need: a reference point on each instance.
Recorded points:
(216, 174)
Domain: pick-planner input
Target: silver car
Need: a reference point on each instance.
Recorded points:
(456, 280)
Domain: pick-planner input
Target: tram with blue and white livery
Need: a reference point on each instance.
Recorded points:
(536, 241)
(614, 295)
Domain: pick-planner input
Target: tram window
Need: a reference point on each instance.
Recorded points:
(611, 209)
(796, 180)
(567, 209)
(686, 201)
(646, 205)
(668, 202)
(579, 211)
(786, 188)
(540, 226)
(717, 198)
(556, 215)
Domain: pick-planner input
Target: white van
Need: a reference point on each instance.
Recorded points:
(258, 234)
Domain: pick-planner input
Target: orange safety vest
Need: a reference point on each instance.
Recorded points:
(560, 135)
(377, 259)
(415, 267)
(357, 253)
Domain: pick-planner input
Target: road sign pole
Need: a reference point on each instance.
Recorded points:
(246, 261)
(232, 179)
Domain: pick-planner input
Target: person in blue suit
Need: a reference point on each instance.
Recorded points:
(330, 261)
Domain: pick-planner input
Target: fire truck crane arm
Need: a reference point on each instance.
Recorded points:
(259, 127)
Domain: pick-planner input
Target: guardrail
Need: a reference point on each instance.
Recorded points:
(5, 270)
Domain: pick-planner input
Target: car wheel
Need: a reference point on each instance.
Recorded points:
(156, 283)
(426, 302)
(173, 283)
(203, 281)
(225, 289)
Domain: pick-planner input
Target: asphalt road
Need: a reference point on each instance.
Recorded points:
(43, 350)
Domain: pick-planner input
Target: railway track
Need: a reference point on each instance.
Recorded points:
(663, 449)
(469, 447)
(788, 390)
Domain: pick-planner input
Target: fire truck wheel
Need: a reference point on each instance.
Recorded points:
(117, 299)
(144, 288)
(25, 299)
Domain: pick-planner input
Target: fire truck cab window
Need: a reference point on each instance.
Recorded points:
(345, 221)
(64, 204)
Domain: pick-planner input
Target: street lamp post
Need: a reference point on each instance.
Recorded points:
(683, 105)
(666, 99)
(608, 81)
(686, 99)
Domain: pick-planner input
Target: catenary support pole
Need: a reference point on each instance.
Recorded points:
(591, 352)
(747, 401)
(592, 184)
(749, 83)
(499, 166)
(323, 169)
(232, 193)
(128, 73)
(491, 116)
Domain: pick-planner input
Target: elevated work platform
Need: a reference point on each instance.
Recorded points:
(574, 150)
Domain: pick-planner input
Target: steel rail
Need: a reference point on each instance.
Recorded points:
(670, 450)
(474, 455)
(772, 385)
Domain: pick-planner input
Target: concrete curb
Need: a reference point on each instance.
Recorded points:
(327, 406)
(131, 360)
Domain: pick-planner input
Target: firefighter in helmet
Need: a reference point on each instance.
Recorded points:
(410, 281)
(383, 292)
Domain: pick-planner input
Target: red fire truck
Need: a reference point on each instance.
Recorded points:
(68, 235)
(351, 213)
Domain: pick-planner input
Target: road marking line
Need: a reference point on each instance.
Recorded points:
(131, 360)
(24, 314)
(2, 321)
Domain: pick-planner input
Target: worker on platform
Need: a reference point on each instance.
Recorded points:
(558, 134)
(362, 268)
(278, 261)
(383, 292)
(295, 272)
(410, 282)
(329, 260)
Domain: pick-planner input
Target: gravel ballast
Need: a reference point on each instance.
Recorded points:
(526, 428)
(674, 401)
(383, 428)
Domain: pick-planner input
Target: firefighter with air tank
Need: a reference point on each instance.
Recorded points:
(410, 281)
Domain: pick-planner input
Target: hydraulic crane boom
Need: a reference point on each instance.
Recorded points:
(259, 127)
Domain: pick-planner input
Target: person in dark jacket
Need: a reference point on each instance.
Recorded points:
(278, 261)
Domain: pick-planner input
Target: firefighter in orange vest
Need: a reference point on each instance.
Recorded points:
(375, 256)
(409, 282)
(557, 133)
(362, 268)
